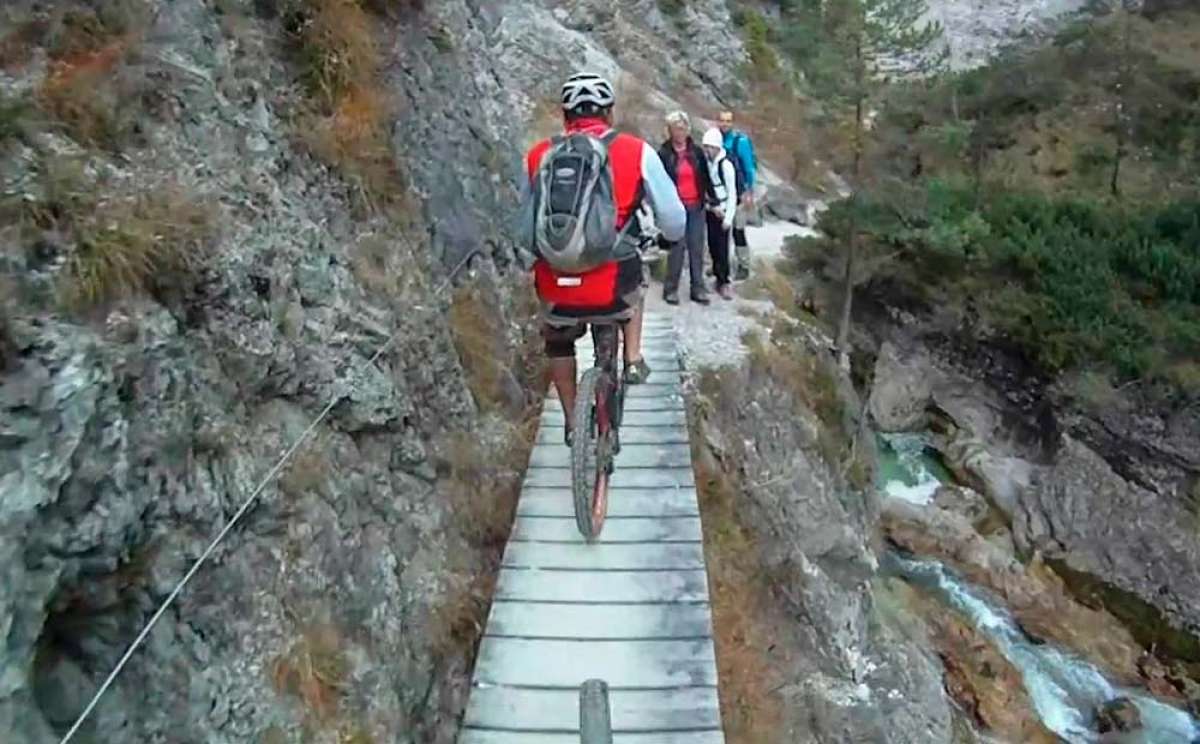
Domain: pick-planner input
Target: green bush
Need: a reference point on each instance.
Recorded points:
(1076, 282)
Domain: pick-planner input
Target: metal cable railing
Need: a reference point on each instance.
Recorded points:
(245, 507)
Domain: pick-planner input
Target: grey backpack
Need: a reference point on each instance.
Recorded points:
(570, 218)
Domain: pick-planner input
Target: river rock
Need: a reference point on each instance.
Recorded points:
(1035, 595)
(1001, 477)
(979, 678)
(902, 391)
(1119, 714)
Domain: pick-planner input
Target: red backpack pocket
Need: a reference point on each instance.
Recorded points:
(596, 288)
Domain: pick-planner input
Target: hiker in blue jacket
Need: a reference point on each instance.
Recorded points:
(741, 152)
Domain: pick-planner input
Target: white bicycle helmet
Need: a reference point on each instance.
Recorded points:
(587, 89)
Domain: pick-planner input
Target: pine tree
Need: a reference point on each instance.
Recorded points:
(1124, 80)
(873, 38)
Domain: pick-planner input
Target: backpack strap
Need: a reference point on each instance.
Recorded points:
(634, 207)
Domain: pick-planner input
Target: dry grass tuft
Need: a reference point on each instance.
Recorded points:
(337, 46)
(745, 636)
(379, 264)
(309, 469)
(810, 386)
(315, 670)
(349, 126)
(353, 139)
(146, 242)
(90, 88)
(17, 46)
(119, 244)
(460, 616)
(479, 337)
(79, 92)
(482, 485)
(355, 734)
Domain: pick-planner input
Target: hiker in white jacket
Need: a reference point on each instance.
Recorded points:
(721, 208)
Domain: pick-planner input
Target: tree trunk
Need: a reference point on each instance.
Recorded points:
(1123, 81)
(843, 337)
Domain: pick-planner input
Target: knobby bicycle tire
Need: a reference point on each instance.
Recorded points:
(585, 465)
(595, 715)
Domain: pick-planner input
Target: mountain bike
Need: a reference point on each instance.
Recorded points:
(599, 403)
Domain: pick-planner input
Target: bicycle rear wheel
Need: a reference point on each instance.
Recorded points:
(589, 463)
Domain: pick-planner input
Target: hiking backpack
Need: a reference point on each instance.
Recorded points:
(571, 216)
(739, 183)
(738, 166)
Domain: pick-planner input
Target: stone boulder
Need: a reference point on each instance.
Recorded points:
(1118, 715)
(1109, 534)
(902, 391)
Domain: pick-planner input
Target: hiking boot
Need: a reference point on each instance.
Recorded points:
(726, 291)
(671, 298)
(701, 297)
(636, 372)
(742, 274)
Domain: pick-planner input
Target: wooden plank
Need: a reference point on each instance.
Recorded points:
(654, 389)
(548, 620)
(581, 556)
(630, 434)
(604, 586)
(558, 710)
(630, 456)
(554, 417)
(661, 403)
(622, 502)
(629, 477)
(621, 663)
(481, 736)
(616, 531)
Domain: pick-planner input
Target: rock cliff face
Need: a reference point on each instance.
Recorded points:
(845, 664)
(132, 429)
(975, 31)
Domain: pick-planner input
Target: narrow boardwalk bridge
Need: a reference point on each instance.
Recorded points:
(631, 609)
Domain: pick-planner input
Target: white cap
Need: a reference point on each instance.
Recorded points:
(713, 138)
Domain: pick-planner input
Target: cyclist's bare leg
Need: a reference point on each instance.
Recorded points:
(633, 334)
(562, 374)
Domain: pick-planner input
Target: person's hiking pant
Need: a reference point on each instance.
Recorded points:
(693, 246)
(718, 247)
(741, 247)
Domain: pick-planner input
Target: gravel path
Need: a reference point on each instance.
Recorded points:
(711, 337)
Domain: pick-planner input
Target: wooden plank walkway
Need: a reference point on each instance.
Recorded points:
(631, 609)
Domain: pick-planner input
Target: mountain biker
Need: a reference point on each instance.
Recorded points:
(741, 151)
(637, 172)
